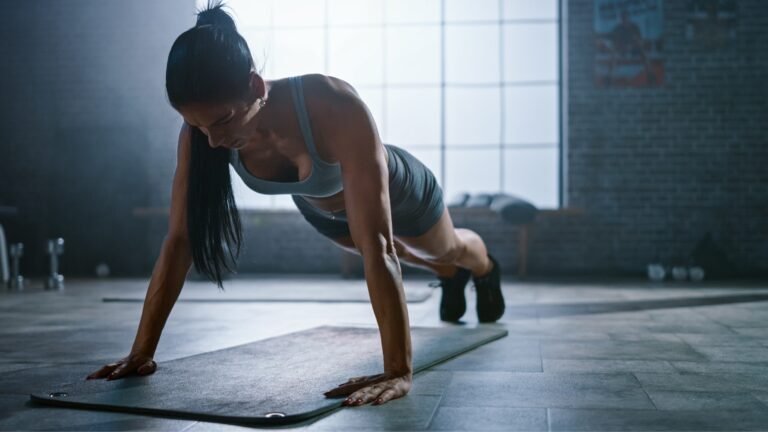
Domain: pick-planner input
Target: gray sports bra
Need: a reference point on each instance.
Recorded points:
(323, 181)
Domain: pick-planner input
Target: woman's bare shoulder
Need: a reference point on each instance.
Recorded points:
(333, 106)
(329, 87)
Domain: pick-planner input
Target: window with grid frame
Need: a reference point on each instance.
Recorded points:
(470, 87)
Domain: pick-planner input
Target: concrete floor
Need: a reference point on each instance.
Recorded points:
(614, 355)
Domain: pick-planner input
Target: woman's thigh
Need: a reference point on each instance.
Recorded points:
(348, 245)
(438, 243)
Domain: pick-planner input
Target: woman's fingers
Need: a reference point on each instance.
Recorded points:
(346, 389)
(147, 368)
(107, 369)
(124, 369)
(380, 393)
(363, 396)
(385, 396)
(104, 371)
(141, 364)
(120, 372)
(354, 384)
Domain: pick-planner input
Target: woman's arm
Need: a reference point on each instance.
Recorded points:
(165, 286)
(167, 279)
(175, 258)
(365, 175)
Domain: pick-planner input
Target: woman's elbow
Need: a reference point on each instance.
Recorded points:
(377, 246)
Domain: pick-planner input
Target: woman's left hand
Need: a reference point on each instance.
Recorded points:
(378, 389)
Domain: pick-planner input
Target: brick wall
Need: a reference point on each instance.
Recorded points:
(657, 168)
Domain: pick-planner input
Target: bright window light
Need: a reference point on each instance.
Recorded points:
(469, 87)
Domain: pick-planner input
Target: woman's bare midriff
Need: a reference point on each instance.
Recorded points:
(333, 203)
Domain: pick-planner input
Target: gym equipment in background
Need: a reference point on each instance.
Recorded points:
(55, 280)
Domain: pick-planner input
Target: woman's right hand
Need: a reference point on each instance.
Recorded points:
(141, 364)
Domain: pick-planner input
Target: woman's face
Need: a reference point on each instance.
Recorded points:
(229, 125)
(225, 125)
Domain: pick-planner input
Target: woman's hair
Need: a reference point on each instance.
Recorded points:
(210, 63)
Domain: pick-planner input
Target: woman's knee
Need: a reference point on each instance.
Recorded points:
(450, 254)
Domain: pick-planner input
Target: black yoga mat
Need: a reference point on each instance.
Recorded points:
(273, 381)
(246, 291)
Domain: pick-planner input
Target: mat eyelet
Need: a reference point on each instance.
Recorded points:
(57, 394)
(274, 415)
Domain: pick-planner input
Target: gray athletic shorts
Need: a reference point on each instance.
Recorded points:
(415, 198)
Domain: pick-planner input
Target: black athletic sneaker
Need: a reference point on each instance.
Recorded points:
(453, 304)
(490, 301)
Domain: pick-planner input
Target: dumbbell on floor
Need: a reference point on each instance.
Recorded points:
(16, 282)
(55, 280)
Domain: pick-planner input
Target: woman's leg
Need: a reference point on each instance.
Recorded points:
(437, 250)
(444, 250)
(446, 246)
(404, 255)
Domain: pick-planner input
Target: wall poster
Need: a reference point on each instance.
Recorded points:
(629, 43)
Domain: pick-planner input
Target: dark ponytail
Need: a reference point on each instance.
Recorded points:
(210, 63)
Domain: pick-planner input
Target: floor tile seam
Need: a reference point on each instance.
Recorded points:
(764, 402)
(761, 347)
(691, 411)
(550, 406)
(570, 373)
(549, 420)
(707, 374)
(675, 335)
(645, 392)
(689, 345)
(710, 359)
(751, 339)
(439, 403)
(725, 325)
(671, 365)
(706, 360)
(682, 371)
(738, 391)
(660, 362)
(644, 327)
(616, 341)
(541, 357)
(620, 373)
(750, 394)
(537, 338)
